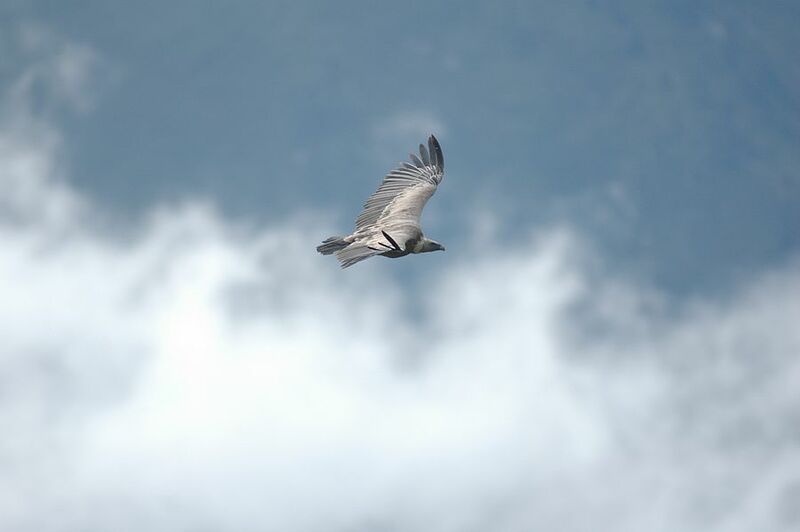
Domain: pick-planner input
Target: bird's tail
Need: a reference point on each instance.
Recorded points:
(332, 245)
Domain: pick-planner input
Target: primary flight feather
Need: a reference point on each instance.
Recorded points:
(389, 224)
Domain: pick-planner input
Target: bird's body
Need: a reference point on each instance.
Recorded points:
(389, 225)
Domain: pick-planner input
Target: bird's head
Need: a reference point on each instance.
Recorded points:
(431, 245)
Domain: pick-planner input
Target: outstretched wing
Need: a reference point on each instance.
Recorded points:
(405, 190)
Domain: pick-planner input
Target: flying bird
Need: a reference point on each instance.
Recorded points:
(389, 224)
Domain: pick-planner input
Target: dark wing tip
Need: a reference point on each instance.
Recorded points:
(423, 153)
(437, 157)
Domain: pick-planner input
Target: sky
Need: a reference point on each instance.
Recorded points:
(609, 340)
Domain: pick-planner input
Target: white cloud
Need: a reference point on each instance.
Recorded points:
(208, 376)
(56, 72)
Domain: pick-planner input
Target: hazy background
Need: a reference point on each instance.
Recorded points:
(610, 342)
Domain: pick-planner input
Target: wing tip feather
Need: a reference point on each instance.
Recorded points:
(436, 152)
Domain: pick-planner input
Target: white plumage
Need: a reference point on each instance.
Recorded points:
(389, 225)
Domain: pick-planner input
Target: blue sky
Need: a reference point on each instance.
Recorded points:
(667, 132)
(609, 340)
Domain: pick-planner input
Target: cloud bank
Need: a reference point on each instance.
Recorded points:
(202, 374)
